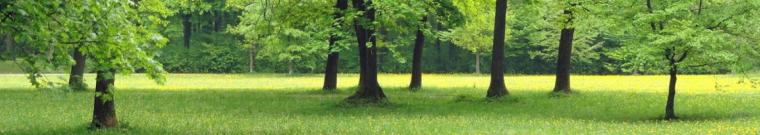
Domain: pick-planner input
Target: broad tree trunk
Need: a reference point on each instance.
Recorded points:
(562, 83)
(497, 87)
(104, 113)
(419, 44)
(76, 76)
(331, 68)
(369, 88)
(477, 63)
(187, 29)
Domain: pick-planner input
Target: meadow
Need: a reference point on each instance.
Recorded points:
(447, 104)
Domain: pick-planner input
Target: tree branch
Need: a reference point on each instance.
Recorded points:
(683, 56)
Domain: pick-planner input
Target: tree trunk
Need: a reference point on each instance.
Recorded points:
(562, 83)
(218, 20)
(252, 58)
(369, 89)
(331, 68)
(477, 63)
(187, 29)
(9, 46)
(76, 76)
(104, 113)
(497, 87)
(670, 113)
(290, 67)
(419, 44)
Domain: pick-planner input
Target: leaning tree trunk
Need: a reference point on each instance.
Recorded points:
(187, 29)
(419, 43)
(562, 83)
(369, 88)
(331, 68)
(670, 105)
(76, 76)
(104, 113)
(497, 87)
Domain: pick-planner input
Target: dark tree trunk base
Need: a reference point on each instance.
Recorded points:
(496, 92)
(104, 112)
(368, 94)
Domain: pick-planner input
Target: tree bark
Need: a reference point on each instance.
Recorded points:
(497, 87)
(218, 20)
(419, 44)
(104, 113)
(252, 58)
(477, 63)
(9, 45)
(76, 76)
(562, 83)
(290, 67)
(369, 89)
(187, 29)
(670, 113)
(331, 68)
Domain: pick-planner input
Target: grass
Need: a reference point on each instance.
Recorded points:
(448, 104)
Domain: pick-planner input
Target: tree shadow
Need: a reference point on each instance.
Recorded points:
(608, 106)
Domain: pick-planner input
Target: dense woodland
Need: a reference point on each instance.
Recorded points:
(372, 36)
(457, 42)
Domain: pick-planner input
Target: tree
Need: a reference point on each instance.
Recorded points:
(186, 9)
(472, 36)
(562, 83)
(678, 35)
(117, 35)
(292, 32)
(331, 67)
(419, 43)
(76, 75)
(497, 88)
(369, 89)
(444, 15)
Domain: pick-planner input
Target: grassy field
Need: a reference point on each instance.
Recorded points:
(448, 104)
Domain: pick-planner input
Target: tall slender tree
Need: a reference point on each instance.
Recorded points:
(562, 83)
(331, 67)
(497, 87)
(419, 44)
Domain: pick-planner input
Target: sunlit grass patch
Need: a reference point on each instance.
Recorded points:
(447, 104)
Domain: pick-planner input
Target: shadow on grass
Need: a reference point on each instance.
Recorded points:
(610, 106)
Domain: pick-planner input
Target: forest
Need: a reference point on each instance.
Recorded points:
(381, 65)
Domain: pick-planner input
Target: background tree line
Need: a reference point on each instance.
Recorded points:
(212, 40)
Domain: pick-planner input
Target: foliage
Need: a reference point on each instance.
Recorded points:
(117, 35)
(221, 56)
(702, 33)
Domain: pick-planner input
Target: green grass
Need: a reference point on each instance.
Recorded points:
(448, 104)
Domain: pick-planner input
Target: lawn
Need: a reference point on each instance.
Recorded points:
(448, 104)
